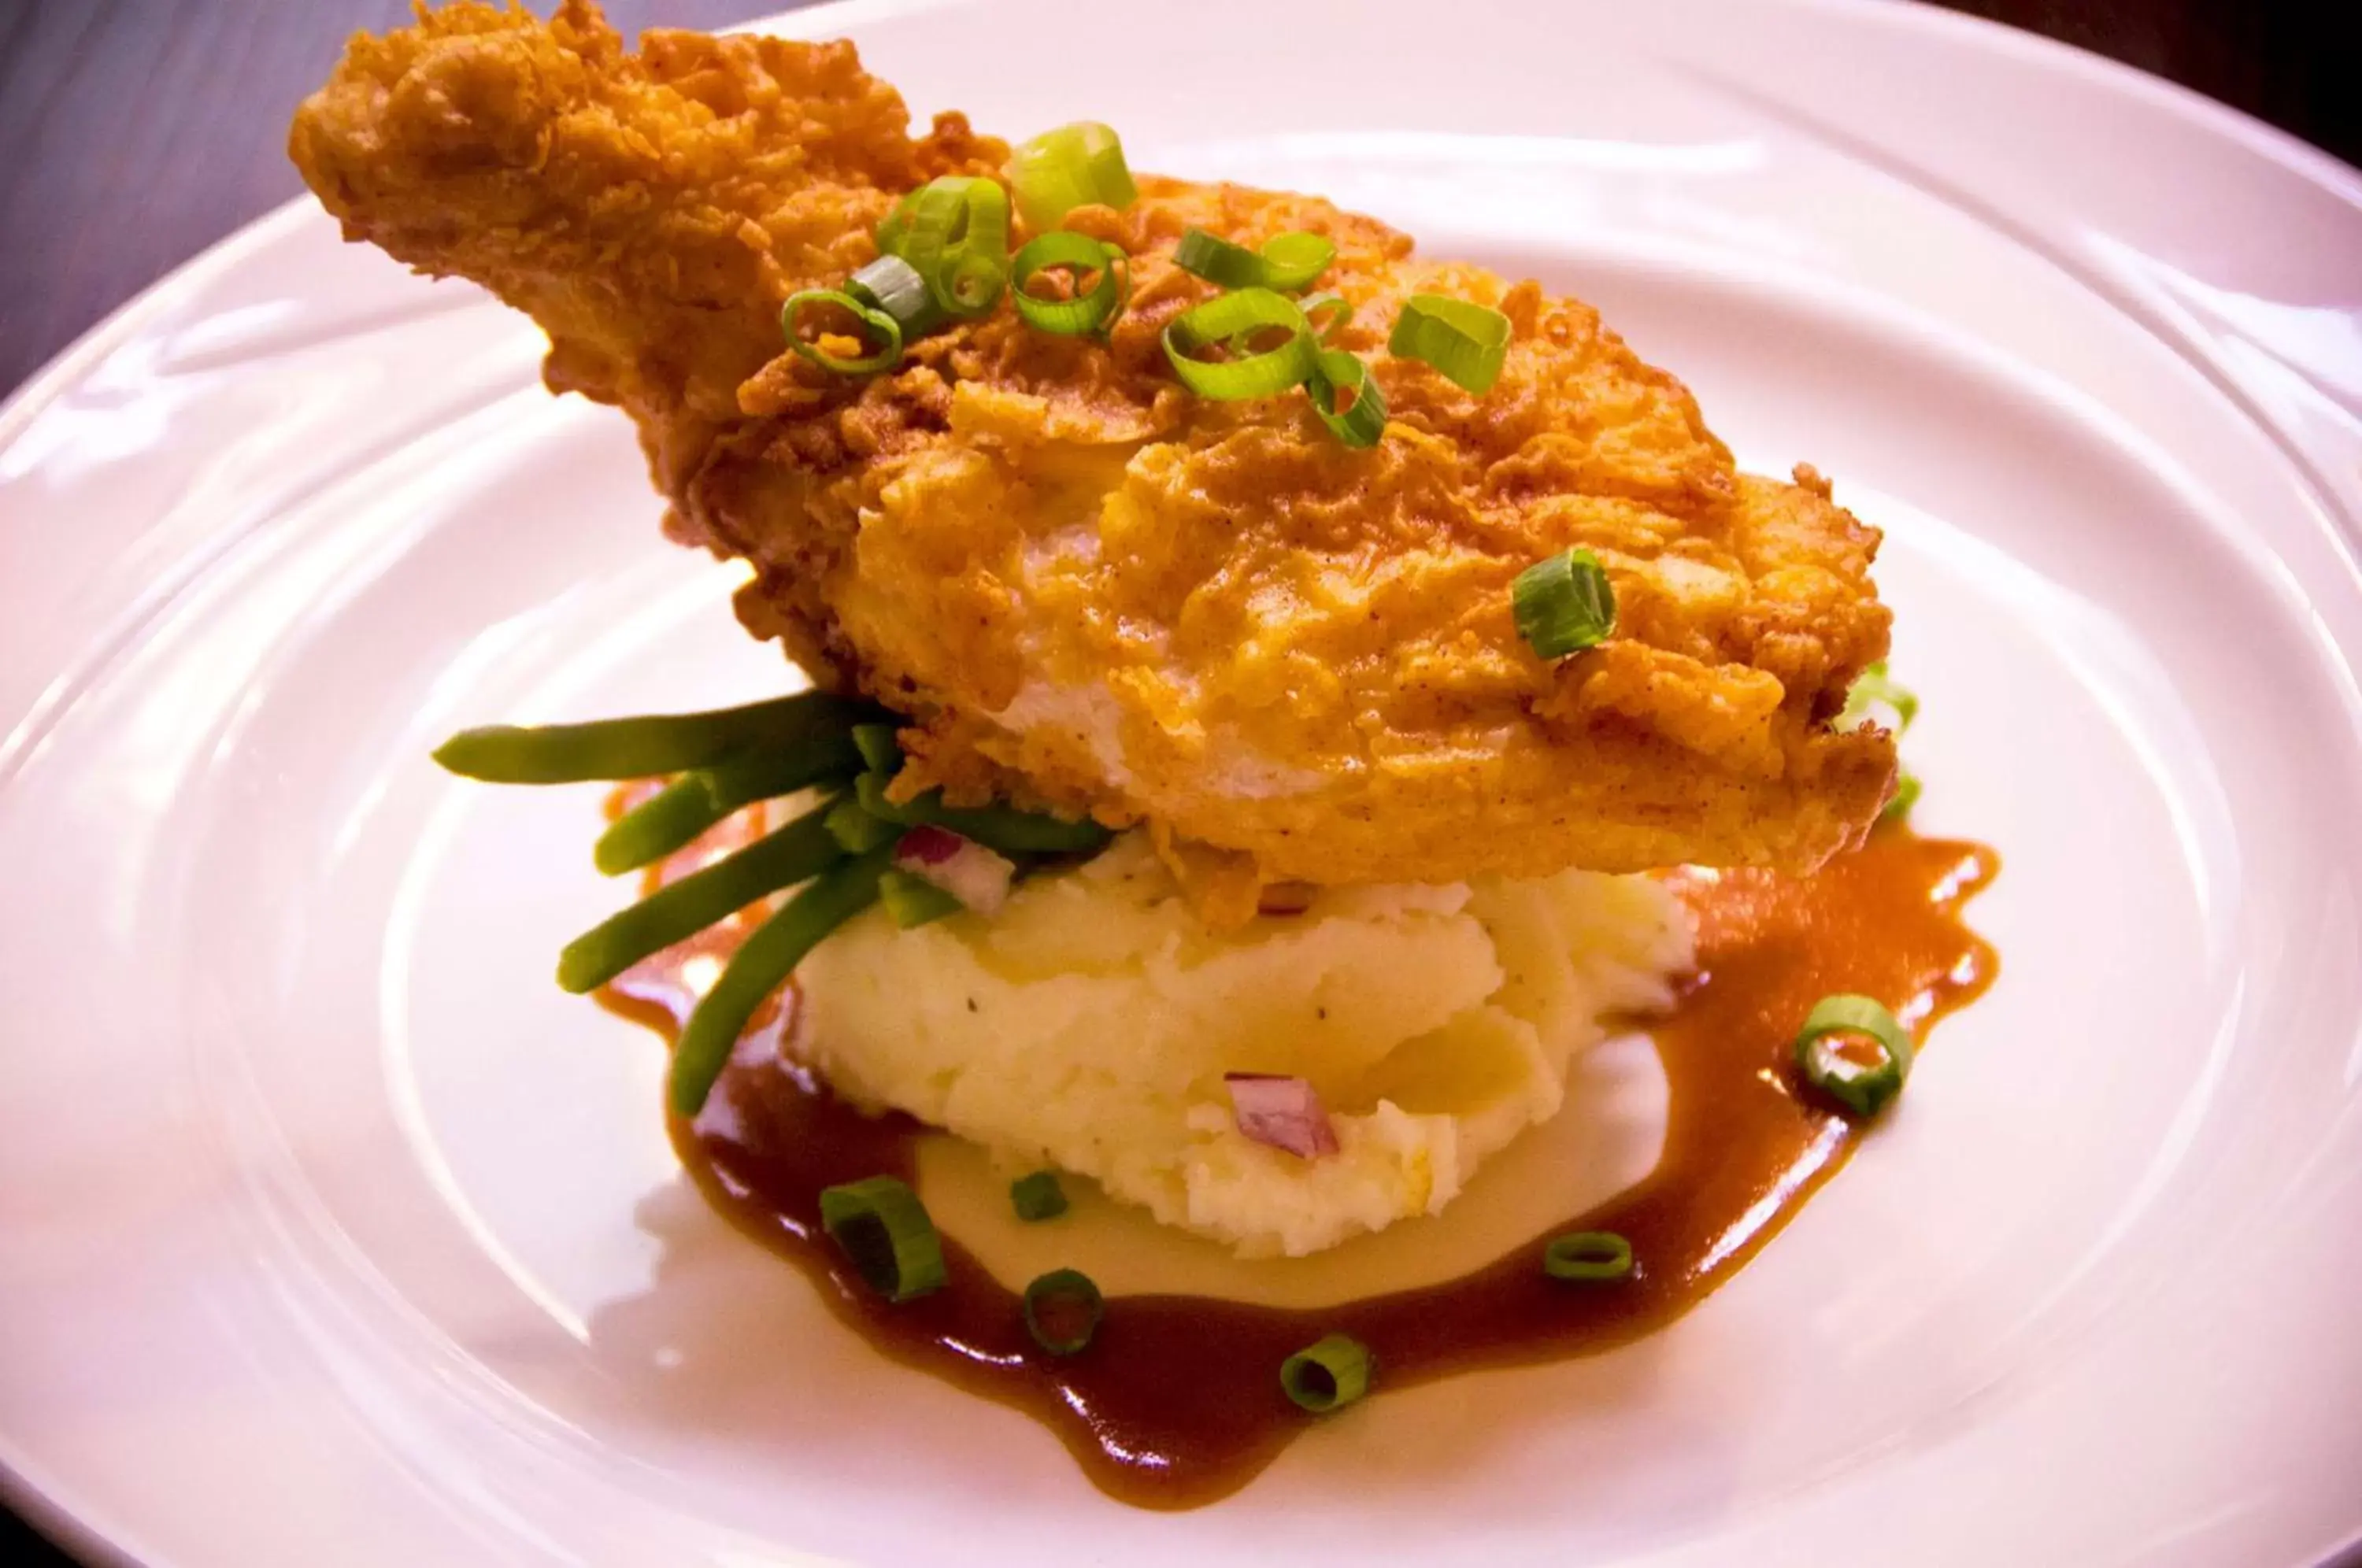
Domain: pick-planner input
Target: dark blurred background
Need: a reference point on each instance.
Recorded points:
(134, 133)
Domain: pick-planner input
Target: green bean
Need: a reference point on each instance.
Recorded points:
(802, 849)
(761, 965)
(879, 746)
(859, 829)
(657, 827)
(695, 801)
(1004, 828)
(645, 746)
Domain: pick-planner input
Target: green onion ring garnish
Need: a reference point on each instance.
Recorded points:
(1877, 697)
(883, 328)
(1080, 255)
(1863, 1090)
(1038, 1197)
(1063, 1309)
(1563, 604)
(894, 286)
(1589, 1255)
(1233, 319)
(1217, 260)
(1327, 1375)
(975, 280)
(1872, 690)
(1365, 420)
(886, 1233)
(1075, 166)
(1286, 264)
(1466, 342)
(1293, 261)
(913, 901)
(954, 232)
(1338, 308)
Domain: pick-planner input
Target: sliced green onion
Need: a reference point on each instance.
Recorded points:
(1080, 255)
(696, 801)
(885, 331)
(1293, 261)
(1063, 1309)
(1587, 1255)
(1234, 320)
(885, 1231)
(761, 965)
(1002, 828)
(1466, 342)
(1038, 1197)
(942, 215)
(894, 286)
(1336, 372)
(1286, 264)
(645, 746)
(1078, 165)
(1877, 697)
(857, 829)
(1862, 1089)
(954, 232)
(1327, 1375)
(1906, 795)
(913, 901)
(1563, 604)
(879, 746)
(1339, 309)
(802, 849)
(1217, 260)
(1874, 693)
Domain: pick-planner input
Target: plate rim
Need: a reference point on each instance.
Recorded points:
(38, 1505)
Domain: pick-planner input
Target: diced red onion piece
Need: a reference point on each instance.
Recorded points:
(927, 844)
(974, 875)
(1281, 1114)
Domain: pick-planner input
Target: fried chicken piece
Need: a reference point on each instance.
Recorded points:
(1090, 588)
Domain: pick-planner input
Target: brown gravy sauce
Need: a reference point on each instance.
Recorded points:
(1177, 1401)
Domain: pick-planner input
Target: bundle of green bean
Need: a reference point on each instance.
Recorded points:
(722, 761)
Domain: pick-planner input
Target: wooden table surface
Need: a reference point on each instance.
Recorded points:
(133, 133)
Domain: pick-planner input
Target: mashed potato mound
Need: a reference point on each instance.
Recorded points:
(1088, 1026)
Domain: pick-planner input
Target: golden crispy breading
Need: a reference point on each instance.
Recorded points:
(1091, 589)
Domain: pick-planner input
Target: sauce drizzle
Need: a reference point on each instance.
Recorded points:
(1178, 1402)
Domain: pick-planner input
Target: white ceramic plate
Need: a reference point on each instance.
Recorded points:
(335, 1233)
